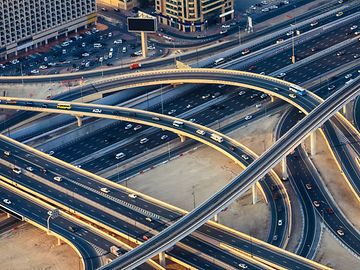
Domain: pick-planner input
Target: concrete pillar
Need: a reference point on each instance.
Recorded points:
(144, 44)
(182, 138)
(313, 143)
(162, 260)
(46, 42)
(8, 215)
(254, 194)
(16, 53)
(66, 34)
(284, 168)
(216, 218)
(272, 98)
(58, 241)
(76, 30)
(79, 121)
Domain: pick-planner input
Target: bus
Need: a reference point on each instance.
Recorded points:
(219, 61)
(297, 90)
(64, 106)
(217, 138)
(178, 123)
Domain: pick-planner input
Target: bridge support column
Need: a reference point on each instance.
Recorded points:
(182, 138)
(79, 120)
(216, 218)
(58, 241)
(284, 169)
(162, 260)
(254, 194)
(144, 48)
(313, 143)
(272, 98)
(8, 215)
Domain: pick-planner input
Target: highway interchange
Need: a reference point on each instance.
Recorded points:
(206, 110)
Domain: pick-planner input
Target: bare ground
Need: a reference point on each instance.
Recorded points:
(28, 247)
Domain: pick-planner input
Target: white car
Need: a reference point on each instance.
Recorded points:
(132, 196)
(57, 178)
(43, 67)
(7, 201)
(248, 117)
(314, 23)
(144, 140)
(223, 32)
(348, 76)
(96, 110)
(340, 232)
(16, 170)
(85, 54)
(148, 219)
(34, 71)
(29, 168)
(280, 222)
(164, 137)
(105, 190)
(65, 44)
(15, 61)
(353, 27)
(200, 132)
(281, 75)
(243, 266)
(290, 33)
(128, 126)
(118, 41)
(241, 93)
(119, 155)
(244, 156)
(137, 127)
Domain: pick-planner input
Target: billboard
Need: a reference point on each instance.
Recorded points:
(141, 24)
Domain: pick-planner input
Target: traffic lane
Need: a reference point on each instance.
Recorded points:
(39, 215)
(85, 210)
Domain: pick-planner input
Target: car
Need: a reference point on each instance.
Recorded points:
(276, 89)
(124, 49)
(338, 14)
(349, 81)
(171, 112)
(7, 153)
(119, 155)
(308, 186)
(57, 178)
(258, 105)
(243, 265)
(103, 9)
(281, 75)
(223, 31)
(16, 170)
(128, 126)
(341, 1)
(192, 120)
(331, 87)
(356, 33)
(248, 117)
(116, 9)
(246, 51)
(85, 54)
(205, 96)
(164, 137)
(275, 237)
(340, 53)
(83, 45)
(118, 41)
(105, 190)
(52, 64)
(348, 76)
(96, 110)
(111, 49)
(265, 10)
(262, 73)
(329, 210)
(65, 44)
(263, 95)
(110, 34)
(316, 203)
(280, 222)
(314, 23)
(34, 71)
(72, 229)
(144, 140)
(132, 196)
(188, 106)
(7, 201)
(241, 93)
(284, 178)
(290, 33)
(216, 94)
(313, 49)
(355, 56)
(155, 118)
(148, 219)
(43, 67)
(340, 232)
(200, 132)
(29, 168)
(245, 157)
(353, 27)
(137, 127)
(51, 153)
(15, 61)
(292, 95)
(225, 26)
(97, 45)
(279, 40)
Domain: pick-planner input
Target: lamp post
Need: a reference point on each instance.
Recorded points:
(52, 214)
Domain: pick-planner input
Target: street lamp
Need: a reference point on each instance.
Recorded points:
(52, 214)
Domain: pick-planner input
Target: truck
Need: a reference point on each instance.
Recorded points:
(135, 65)
(115, 250)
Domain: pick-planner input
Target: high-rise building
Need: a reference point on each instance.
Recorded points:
(27, 24)
(193, 15)
(121, 4)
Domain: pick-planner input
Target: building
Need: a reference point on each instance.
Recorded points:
(26, 24)
(120, 4)
(194, 15)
